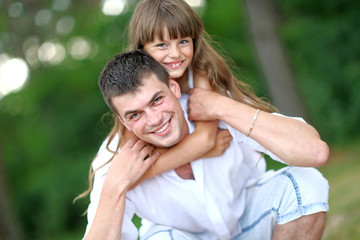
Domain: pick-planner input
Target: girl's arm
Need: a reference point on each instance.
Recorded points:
(295, 142)
(204, 138)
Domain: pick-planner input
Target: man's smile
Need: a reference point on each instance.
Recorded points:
(164, 129)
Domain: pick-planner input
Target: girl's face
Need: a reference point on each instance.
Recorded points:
(174, 54)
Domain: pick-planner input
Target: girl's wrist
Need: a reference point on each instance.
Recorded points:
(219, 107)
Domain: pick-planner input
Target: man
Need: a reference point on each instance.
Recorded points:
(226, 197)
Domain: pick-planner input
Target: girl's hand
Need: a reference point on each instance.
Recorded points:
(201, 104)
(223, 139)
(134, 158)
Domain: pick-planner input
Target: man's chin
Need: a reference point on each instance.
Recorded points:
(164, 144)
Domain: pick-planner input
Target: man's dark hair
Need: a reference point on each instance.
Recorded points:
(125, 73)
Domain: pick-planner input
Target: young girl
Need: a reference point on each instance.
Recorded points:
(173, 34)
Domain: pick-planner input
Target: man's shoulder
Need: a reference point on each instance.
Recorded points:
(105, 152)
(183, 100)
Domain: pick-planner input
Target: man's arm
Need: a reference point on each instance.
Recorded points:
(295, 142)
(126, 168)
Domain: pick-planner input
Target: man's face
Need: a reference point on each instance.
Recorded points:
(153, 114)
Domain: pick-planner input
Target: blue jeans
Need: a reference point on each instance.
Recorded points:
(278, 197)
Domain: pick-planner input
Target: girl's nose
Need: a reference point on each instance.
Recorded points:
(174, 51)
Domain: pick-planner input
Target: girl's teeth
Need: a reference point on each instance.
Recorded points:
(163, 128)
(175, 64)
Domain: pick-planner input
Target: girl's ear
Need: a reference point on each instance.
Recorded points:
(175, 88)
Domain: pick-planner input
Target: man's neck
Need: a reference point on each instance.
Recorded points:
(185, 171)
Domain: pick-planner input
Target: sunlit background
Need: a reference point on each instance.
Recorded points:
(51, 111)
(16, 71)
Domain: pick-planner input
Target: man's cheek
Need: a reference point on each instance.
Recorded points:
(137, 128)
(128, 126)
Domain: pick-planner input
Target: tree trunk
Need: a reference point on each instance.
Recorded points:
(263, 25)
(8, 230)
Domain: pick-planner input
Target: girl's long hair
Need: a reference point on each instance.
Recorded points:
(118, 129)
(151, 18)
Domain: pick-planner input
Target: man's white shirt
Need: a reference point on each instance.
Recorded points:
(209, 206)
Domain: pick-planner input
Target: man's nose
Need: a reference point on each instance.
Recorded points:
(154, 117)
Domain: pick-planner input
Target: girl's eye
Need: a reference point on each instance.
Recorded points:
(161, 45)
(183, 42)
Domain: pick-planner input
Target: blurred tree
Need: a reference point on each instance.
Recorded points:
(263, 26)
(8, 227)
(227, 26)
(50, 130)
(322, 39)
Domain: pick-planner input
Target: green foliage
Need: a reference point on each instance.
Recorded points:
(323, 41)
(344, 214)
(51, 130)
(226, 23)
(48, 147)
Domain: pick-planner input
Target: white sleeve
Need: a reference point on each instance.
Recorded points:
(129, 230)
(94, 199)
(101, 166)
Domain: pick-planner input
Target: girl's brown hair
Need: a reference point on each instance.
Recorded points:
(152, 17)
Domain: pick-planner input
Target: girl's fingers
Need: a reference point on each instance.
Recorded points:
(131, 142)
(224, 135)
(228, 138)
(139, 145)
(146, 151)
(224, 132)
(152, 158)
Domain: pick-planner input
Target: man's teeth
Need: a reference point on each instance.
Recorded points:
(175, 65)
(163, 128)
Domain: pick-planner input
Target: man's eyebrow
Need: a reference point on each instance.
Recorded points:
(151, 100)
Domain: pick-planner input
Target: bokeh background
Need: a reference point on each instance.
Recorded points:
(303, 55)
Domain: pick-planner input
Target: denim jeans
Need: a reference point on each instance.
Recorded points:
(277, 197)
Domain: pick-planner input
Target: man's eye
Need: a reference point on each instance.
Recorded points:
(158, 100)
(134, 116)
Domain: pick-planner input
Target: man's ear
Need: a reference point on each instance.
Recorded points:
(123, 123)
(175, 88)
